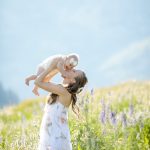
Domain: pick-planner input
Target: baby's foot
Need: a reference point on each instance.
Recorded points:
(35, 92)
(27, 81)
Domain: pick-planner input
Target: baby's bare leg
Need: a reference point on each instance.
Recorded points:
(32, 77)
(40, 69)
(35, 89)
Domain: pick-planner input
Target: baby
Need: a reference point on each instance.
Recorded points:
(56, 63)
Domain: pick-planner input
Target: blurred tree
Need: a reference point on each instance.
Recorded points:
(7, 97)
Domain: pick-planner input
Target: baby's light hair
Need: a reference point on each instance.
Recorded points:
(75, 56)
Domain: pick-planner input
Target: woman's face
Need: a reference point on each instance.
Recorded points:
(74, 73)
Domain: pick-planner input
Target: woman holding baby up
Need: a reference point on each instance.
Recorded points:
(54, 131)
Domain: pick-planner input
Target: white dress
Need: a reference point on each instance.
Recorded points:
(54, 130)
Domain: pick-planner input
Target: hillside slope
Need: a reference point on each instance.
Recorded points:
(115, 117)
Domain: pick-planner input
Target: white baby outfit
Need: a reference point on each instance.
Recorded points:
(54, 130)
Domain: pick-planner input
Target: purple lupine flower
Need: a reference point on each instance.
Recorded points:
(103, 117)
(113, 118)
(103, 112)
(124, 119)
(131, 109)
(92, 91)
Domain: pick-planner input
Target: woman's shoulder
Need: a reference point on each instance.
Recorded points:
(66, 93)
(65, 98)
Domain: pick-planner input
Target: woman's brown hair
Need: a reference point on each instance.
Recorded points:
(73, 89)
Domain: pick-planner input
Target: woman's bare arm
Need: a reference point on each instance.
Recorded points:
(49, 86)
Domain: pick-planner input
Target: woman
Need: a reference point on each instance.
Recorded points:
(54, 131)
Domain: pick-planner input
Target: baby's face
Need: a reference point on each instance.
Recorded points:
(70, 63)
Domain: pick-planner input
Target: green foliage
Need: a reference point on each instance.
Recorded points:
(115, 118)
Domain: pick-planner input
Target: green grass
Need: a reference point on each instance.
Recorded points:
(19, 125)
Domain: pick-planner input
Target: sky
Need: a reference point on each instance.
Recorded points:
(112, 39)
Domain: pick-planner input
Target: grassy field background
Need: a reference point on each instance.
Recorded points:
(113, 118)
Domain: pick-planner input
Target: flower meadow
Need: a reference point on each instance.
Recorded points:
(111, 118)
